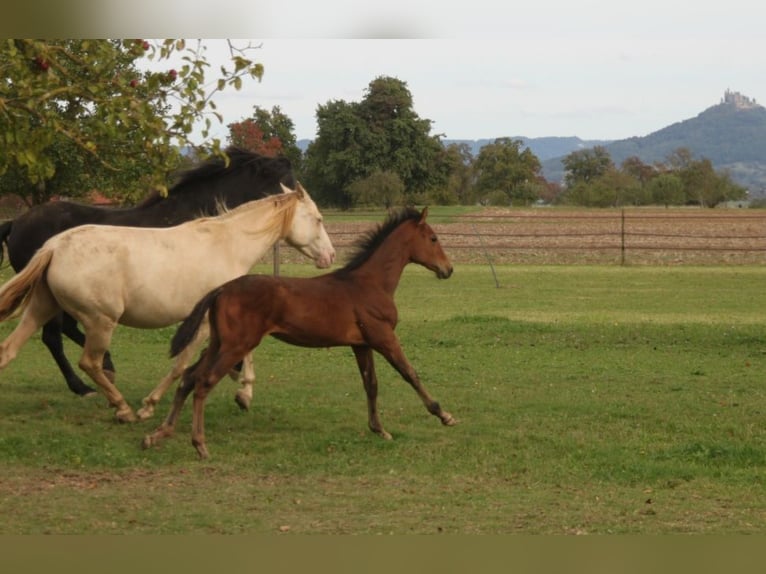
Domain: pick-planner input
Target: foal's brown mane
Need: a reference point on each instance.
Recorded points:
(369, 242)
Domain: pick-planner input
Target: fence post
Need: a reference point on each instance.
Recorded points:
(622, 238)
(276, 259)
(489, 259)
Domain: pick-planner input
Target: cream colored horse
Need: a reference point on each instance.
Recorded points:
(150, 277)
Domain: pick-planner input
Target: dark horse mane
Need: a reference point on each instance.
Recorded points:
(212, 167)
(369, 242)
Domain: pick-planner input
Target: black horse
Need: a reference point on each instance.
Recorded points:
(199, 191)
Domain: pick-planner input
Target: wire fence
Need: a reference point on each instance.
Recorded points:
(628, 236)
(640, 236)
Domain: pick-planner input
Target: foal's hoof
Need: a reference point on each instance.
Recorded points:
(149, 441)
(145, 412)
(448, 420)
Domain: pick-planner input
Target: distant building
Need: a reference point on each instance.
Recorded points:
(738, 100)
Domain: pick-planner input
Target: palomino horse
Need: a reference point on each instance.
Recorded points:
(244, 176)
(353, 306)
(150, 277)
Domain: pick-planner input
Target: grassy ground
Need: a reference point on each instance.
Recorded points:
(590, 400)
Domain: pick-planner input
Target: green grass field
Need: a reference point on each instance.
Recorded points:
(590, 399)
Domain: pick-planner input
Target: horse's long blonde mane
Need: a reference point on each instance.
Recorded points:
(278, 222)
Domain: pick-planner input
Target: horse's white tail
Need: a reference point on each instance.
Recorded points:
(14, 295)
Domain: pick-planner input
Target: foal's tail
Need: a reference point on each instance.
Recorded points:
(188, 329)
(5, 231)
(14, 295)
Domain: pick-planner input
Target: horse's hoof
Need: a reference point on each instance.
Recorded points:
(125, 417)
(448, 420)
(148, 442)
(144, 413)
(244, 403)
(201, 450)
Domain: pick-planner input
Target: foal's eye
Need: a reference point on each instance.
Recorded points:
(434, 239)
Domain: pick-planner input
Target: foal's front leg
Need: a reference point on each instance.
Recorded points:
(393, 353)
(366, 364)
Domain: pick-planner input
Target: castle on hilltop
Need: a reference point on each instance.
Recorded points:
(738, 100)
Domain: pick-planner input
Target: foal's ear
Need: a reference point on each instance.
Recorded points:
(285, 189)
(299, 189)
(423, 215)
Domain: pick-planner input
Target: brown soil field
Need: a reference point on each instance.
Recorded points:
(640, 236)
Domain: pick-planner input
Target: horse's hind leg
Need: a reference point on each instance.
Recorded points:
(244, 395)
(41, 308)
(364, 359)
(97, 338)
(51, 337)
(181, 361)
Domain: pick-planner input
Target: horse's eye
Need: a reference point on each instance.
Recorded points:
(434, 239)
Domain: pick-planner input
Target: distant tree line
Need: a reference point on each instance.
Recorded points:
(379, 152)
(78, 115)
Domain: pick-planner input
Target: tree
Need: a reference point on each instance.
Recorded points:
(504, 167)
(247, 134)
(584, 165)
(270, 132)
(75, 114)
(704, 186)
(457, 161)
(379, 188)
(380, 133)
(666, 189)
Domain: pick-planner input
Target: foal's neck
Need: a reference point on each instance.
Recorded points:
(387, 263)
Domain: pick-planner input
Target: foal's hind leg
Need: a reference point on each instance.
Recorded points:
(51, 337)
(98, 335)
(364, 359)
(207, 379)
(182, 392)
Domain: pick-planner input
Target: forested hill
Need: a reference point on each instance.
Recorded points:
(731, 134)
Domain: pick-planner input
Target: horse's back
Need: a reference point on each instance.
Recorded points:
(33, 228)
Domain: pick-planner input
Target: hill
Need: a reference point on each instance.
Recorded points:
(544, 148)
(731, 134)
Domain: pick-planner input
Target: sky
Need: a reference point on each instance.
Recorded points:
(596, 69)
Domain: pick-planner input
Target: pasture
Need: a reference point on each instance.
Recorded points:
(590, 400)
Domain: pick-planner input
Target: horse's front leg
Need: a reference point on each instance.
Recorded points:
(97, 339)
(393, 353)
(71, 329)
(366, 364)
